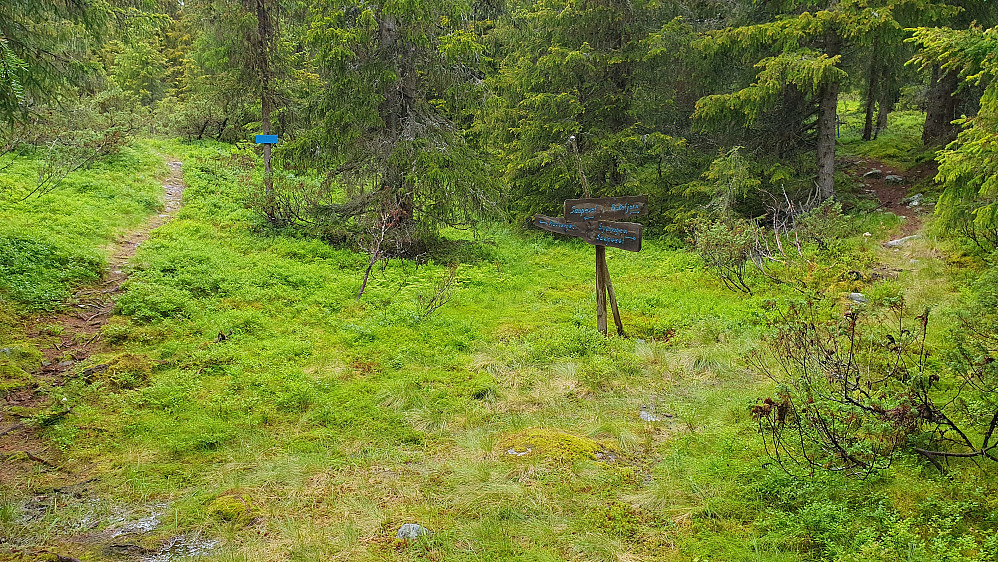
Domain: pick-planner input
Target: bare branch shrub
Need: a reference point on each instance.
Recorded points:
(726, 247)
(855, 389)
(442, 293)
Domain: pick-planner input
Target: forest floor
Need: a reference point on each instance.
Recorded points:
(316, 426)
(880, 179)
(68, 338)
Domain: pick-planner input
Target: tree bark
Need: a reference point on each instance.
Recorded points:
(887, 101)
(265, 30)
(940, 108)
(872, 89)
(826, 140)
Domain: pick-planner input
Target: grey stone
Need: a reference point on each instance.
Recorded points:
(65, 364)
(914, 201)
(8, 351)
(858, 297)
(874, 173)
(893, 178)
(648, 416)
(411, 531)
(901, 241)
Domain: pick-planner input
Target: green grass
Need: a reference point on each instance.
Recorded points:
(899, 145)
(334, 422)
(53, 241)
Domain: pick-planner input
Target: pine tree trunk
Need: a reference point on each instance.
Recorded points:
(826, 140)
(940, 108)
(887, 101)
(265, 15)
(871, 91)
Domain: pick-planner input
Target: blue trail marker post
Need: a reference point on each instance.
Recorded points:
(268, 141)
(593, 220)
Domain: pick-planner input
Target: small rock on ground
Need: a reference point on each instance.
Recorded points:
(874, 173)
(858, 297)
(411, 531)
(893, 178)
(901, 241)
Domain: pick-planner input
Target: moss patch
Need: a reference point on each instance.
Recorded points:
(235, 507)
(124, 372)
(13, 377)
(552, 445)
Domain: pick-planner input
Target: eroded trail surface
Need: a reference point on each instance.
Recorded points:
(30, 463)
(893, 188)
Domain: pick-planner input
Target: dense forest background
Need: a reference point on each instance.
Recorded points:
(215, 348)
(444, 113)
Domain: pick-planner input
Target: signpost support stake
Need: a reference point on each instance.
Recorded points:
(601, 289)
(612, 297)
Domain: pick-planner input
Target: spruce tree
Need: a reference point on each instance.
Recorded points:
(968, 168)
(389, 79)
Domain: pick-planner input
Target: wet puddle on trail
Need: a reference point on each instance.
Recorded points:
(78, 517)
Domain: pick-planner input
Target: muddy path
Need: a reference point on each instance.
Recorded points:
(65, 339)
(893, 187)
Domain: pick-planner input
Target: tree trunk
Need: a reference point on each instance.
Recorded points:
(826, 140)
(888, 98)
(940, 108)
(265, 29)
(872, 90)
(397, 111)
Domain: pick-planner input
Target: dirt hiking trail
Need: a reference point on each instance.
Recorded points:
(67, 338)
(891, 186)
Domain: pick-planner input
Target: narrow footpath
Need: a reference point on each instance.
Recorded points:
(66, 339)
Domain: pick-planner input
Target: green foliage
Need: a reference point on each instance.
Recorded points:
(52, 242)
(967, 168)
(604, 74)
(43, 47)
(795, 63)
(38, 273)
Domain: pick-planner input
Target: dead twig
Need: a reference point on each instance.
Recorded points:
(38, 459)
(14, 427)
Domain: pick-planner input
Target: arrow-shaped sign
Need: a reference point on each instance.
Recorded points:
(606, 208)
(623, 235)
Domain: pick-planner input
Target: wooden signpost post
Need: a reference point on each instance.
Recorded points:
(595, 220)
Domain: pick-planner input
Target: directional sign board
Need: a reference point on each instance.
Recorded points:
(623, 235)
(266, 139)
(606, 208)
(595, 221)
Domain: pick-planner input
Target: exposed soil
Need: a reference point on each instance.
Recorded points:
(30, 463)
(892, 194)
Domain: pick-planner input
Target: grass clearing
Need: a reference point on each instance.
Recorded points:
(899, 145)
(320, 425)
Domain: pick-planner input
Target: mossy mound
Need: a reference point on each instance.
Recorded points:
(13, 377)
(234, 507)
(551, 445)
(26, 357)
(126, 371)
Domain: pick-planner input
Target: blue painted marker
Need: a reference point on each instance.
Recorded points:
(266, 139)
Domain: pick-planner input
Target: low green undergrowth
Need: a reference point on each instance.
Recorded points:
(53, 241)
(900, 144)
(248, 391)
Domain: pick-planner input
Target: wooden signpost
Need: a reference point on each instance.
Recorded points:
(595, 221)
